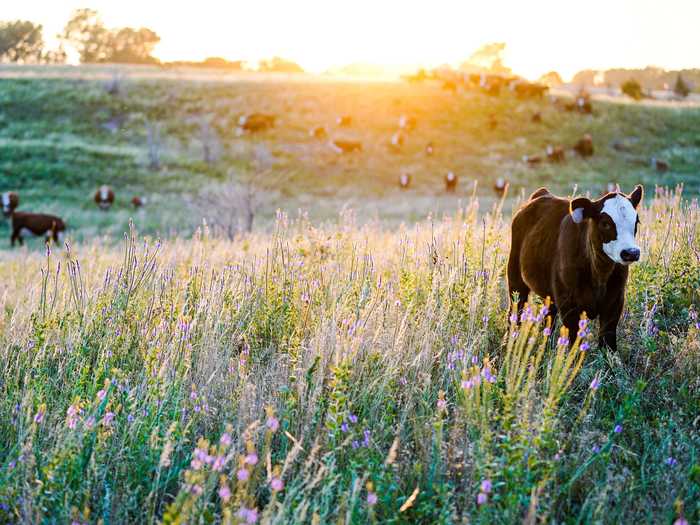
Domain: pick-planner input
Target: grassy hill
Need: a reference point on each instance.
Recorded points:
(62, 137)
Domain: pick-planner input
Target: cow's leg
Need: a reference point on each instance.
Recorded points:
(609, 318)
(515, 278)
(570, 316)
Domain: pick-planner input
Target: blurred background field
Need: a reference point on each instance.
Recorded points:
(175, 142)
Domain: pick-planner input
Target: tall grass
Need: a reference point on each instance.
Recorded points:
(343, 374)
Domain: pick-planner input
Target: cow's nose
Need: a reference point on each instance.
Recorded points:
(630, 254)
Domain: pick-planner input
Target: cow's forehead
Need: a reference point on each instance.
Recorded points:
(621, 211)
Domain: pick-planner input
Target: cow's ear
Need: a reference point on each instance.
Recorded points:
(637, 195)
(580, 209)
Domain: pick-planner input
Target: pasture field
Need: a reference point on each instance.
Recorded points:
(63, 136)
(342, 374)
(352, 359)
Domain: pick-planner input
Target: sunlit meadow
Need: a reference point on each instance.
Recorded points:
(343, 373)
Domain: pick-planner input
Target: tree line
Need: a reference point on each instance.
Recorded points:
(22, 42)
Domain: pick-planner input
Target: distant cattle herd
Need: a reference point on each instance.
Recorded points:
(49, 226)
(24, 223)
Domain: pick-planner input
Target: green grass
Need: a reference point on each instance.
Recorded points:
(136, 381)
(55, 148)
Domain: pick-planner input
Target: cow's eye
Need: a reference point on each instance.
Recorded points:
(604, 225)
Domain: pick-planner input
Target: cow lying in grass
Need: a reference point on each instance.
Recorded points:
(36, 224)
(578, 254)
(10, 201)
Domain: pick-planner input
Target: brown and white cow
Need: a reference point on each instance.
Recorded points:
(24, 223)
(137, 201)
(255, 122)
(450, 181)
(407, 123)
(500, 186)
(397, 141)
(10, 201)
(104, 197)
(345, 146)
(576, 252)
(555, 153)
(584, 146)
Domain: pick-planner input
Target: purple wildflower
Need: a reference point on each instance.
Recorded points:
(251, 459)
(273, 424)
(242, 474)
(585, 346)
(352, 418)
(39, 416)
(595, 384)
(617, 429)
(486, 486)
(108, 418)
(482, 499)
(371, 499)
(224, 493)
(671, 461)
(276, 484)
(225, 439)
(344, 427)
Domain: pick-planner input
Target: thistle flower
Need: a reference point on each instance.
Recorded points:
(250, 516)
(219, 463)
(681, 521)
(482, 499)
(276, 484)
(225, 439)
(108, 418)
(224, 493)
(39, 416)
(251, 459)
(486, 486)
(242, 474)
(371, 499)
(547, 331)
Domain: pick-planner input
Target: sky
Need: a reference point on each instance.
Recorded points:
(541, 35)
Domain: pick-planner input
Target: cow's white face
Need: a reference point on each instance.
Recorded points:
(6, 203)
(623, 248)
(615, 219)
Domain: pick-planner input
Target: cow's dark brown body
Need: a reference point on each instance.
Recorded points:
(553, 256)
(36, 224)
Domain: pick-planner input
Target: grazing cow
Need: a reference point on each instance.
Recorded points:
(10, 201)
(523, 89)
(404, 181)
(104, 197)
(576, 253)
(584, 146)
(256, 122)
(346, 146)
(450, 182)
(319, 132)
(493, 121)
(344, 121)
(537, 117)
(407, 123)
(555, 154)
(532, 160)
(500, 186)
(36, 224)
(397, 140)
(659, 165)
(137, 201)
(450, 85)
(583, 104)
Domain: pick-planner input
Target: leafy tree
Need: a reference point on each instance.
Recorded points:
(21, 41)
(681, 88)
(488, 57)
(632, 89)
(95, 43)
(551, 79)
(279, 65)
